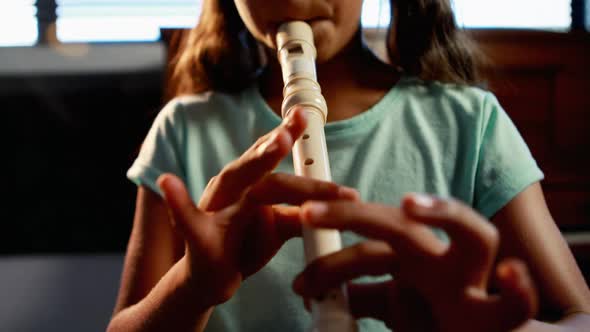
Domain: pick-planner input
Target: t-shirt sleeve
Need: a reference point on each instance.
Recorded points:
(505, 165)
(161, 150)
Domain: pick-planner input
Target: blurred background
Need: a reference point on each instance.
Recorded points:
(82, 80)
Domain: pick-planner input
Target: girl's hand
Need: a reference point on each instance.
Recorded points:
(436, 286)
(237, 228)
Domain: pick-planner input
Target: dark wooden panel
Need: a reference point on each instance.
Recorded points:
(543, 81)
(568, 206)
(572, 125)
(527, 95)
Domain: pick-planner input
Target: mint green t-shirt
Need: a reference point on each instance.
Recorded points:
(433, 138)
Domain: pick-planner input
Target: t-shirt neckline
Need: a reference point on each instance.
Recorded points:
(358, 123)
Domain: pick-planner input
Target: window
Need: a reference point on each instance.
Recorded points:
(376, 13)
(141, 20)
(536, 14)
(118, 20)
(525, 14)
(18, 23)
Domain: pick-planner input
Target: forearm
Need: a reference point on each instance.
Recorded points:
(578, 322)
(170, 306)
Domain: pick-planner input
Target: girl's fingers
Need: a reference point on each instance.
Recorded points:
(287, 221)
(282, 188)
(474, 240)
(400, 307)
(329, 272)
(376, 221)
(517, 301)
(370, 300)
(467, 228)
(186, 216)
(286, 188)
(231, 183)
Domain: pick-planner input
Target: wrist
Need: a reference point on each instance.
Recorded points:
(211, 289)
(196, 293)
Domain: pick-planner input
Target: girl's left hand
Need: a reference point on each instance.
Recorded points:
(437, 286)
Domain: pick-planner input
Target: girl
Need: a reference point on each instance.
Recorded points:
(414, 126)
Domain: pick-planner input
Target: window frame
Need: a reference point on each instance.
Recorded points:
(47, 17)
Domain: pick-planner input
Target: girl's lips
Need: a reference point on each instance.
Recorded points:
(315, 20)
(274, 27)
(311, 21)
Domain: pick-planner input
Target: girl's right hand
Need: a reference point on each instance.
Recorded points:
(237, 227)
(437, 286)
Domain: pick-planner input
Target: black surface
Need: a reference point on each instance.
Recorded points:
(67, 142)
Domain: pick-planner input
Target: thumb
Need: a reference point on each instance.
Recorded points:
(185, 214)
(518, 297)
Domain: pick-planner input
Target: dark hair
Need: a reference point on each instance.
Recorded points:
(220, 54)
(430, 45)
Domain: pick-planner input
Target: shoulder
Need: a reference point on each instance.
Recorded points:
(206, 102)
(207, 108)
(186, 114)
(454, 97)
(467, 107)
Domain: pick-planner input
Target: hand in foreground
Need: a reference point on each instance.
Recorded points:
(237, 227)
(436, 286)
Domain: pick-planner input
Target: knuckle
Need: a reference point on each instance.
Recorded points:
(261, 140)
(227, 173)
(460, 212)
(490, 235)
(326, 187)
(454, 209)
(211, 182)
(402, 226)
(276, 178)
(486, 241)
(487, 235)
(222, 179)
(362, 249)
(320, 188)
